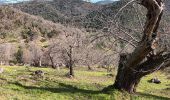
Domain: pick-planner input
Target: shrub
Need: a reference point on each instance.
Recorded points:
(19, 55)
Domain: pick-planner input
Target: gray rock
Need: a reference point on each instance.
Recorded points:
(155, 80)
(1, 70)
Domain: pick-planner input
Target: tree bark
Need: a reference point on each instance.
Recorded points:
(71, 61)
(143, 60)
(89, 67)
(52, 62)
(71, 71)
(126, 79)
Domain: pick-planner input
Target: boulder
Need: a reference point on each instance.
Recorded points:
(155, 80)
(38, 73)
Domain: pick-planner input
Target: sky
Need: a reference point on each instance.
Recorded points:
(12, 1)
(101, 0)
(15, 1)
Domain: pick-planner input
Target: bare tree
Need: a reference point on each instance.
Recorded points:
(51, 53)
(148, 56)
(36, 55)
(2, 54)
(7, 51)
(66, 49)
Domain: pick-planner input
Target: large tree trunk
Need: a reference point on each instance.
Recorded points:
(126, 79)
(143, 60)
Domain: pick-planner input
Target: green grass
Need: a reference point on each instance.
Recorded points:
(17, 83)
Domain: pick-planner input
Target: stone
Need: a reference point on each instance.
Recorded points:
(1, 70)
(155, 80)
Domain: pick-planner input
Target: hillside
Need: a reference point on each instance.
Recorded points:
(62, 11)
(167, 5)
(18, 25)
(83, 14)
(75, 12)
(30, 35)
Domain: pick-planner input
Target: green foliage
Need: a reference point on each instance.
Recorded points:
(28, 34)
(43, 40)
(53, 33)
(3, 35)
(19, 56)
(13, 40)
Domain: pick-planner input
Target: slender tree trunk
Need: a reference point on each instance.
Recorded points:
(40, 63)
(71, 71)
(89, 67)
(52, 62)
(71, 61)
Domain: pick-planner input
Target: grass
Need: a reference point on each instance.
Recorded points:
(17, 83)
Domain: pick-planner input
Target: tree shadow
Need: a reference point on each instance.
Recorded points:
(65, 88)
(62, 88)
(153, 96)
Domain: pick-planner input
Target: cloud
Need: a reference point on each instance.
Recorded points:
(12, 1)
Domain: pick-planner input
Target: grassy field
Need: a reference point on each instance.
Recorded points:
(17, 83)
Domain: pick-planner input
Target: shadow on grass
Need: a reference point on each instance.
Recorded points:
(62, 88)
(155, 97)
(167, 88)
(65, 88)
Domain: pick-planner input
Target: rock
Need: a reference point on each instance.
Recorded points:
(11, 64)
(38, 73)
(1, 70)
(27, 65)
(155, 80)
(110, 75)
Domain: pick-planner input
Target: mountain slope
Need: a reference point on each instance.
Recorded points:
(62, 11)
(167, 5)
(18, 25)
(75, 12)
(84, 14)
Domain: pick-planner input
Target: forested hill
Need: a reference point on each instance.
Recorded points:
(82, 14)
(167, 4)
(62, 11)
(74, 12)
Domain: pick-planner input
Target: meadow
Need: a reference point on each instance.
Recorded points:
(18, 83)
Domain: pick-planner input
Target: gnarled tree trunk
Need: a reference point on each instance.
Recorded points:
(146, 58)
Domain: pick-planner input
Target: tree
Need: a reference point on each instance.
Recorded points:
(7, 51)
(148, 56)
(36, 54)
(53, 55)
(2, 54)
(66, 49)
(19, 55)
(69, 60)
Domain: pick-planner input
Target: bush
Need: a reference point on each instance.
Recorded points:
(3, 35)
(52, 33)
(19, 56)
(28, 34)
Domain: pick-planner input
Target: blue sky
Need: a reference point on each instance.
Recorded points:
(101, 0)
(14, 1)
